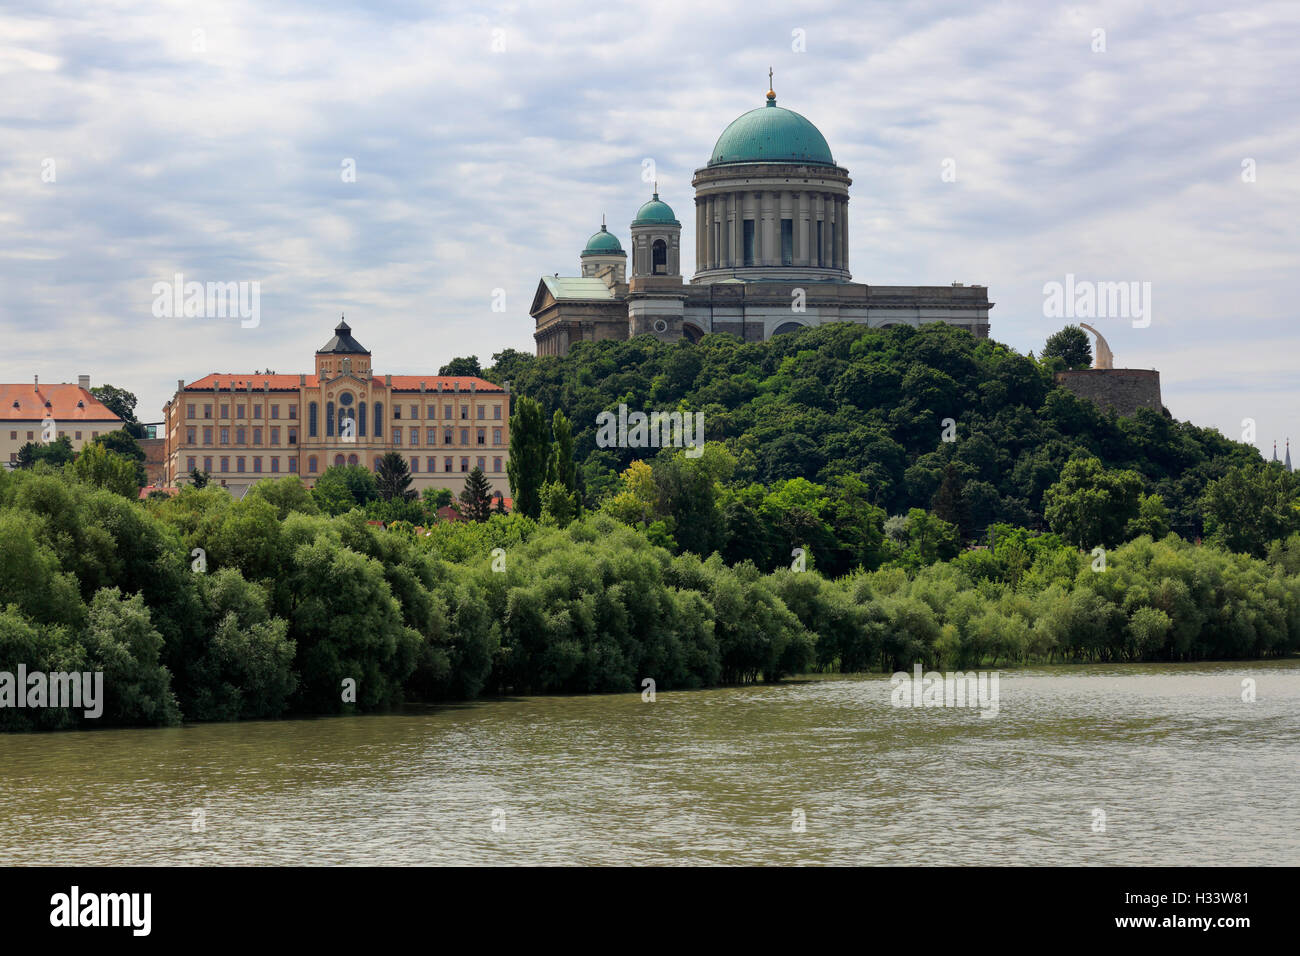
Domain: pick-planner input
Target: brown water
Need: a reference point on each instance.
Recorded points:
(1184, 770)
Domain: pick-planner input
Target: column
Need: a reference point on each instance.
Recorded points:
(844, 212)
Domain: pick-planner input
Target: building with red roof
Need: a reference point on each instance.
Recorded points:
(242, 427)
(43, 413)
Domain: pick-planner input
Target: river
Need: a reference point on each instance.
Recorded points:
(1116, 764)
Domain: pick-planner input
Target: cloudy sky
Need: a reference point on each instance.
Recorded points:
(213, 140)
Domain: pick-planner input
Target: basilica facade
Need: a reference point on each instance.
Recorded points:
(771, 255)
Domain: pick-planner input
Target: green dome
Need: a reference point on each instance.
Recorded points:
(655, 211)
(771, 134)
(603, 243)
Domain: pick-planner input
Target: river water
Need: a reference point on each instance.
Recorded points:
(1123, 764)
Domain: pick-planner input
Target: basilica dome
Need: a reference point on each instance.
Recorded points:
(771, 134)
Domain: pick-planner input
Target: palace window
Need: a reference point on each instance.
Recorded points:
(293, 436)
(353, 460)
(431, 436)
(275, 465)
(207, 464)
(446, 411)
(191, 435)
(338, 459)
(464, 413)
(482, 436)
(257, 465)
(311, 421)
(239, 411)
(189, 411)
(415, 464)
(239, 436)
(207, 411)
(361, 419)
(446, 464)
(464, 436)
(379, 419)
(311, 464)
(496, 412)
(464, 464)
(275, 434)
(397, 412)
(257, 436)
(293, 412)
(257, 412)
(496, 436)
(496, 465)
(225, 463)
(787, 242)
(659, 258)
(749, 242)
(239, 463)
(225, 436)
(415, 436)
(293, 466)
(225, 411)
(480, 463)
(446, 436)
(329, 419)
(275, 411)
(431, 464)
(191, 463)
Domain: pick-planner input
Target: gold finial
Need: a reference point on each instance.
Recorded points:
(771, 95)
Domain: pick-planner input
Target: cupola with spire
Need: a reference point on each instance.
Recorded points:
(656, 239)
(603, 250)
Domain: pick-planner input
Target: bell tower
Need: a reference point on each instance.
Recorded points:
(656, 294)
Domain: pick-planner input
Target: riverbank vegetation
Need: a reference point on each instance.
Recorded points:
(200, 607)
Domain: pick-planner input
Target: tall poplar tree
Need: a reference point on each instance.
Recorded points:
(530, 452)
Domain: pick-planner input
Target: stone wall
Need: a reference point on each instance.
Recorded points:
(1123, 389)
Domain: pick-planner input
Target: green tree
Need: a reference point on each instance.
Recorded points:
(118, 401)
(98, 466)
(462, 366)
(561, 467)
(476, 498)
(340, 488)
(558, 505)
(1071, 345)
(529, 454)
(56, 453)
(393, 477)
(199, 479)
(1252, 506)
(1091, 505)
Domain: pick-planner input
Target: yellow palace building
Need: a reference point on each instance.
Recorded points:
(243, 427)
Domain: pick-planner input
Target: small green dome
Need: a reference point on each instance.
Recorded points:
(655, 211)
(603, 243)
(771, 134)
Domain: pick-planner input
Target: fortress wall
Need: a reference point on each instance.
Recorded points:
(1123, 389)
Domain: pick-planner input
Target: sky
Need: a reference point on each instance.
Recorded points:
(1000, 144)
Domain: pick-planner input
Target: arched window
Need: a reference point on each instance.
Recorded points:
(329, 418)
(377, 461)
(785, 327)
(353, 460)
(379, 419)
(311, 421)
(659, 258)
(338, 459)
(311, 464)
(361, 419)
(345, 416)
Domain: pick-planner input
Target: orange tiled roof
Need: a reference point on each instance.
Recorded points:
(67, 403)
(277, 382)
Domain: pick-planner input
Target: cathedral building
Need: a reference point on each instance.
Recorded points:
(242, 427)
(771, 255)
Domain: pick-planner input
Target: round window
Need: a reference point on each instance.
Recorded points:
(345, 399)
